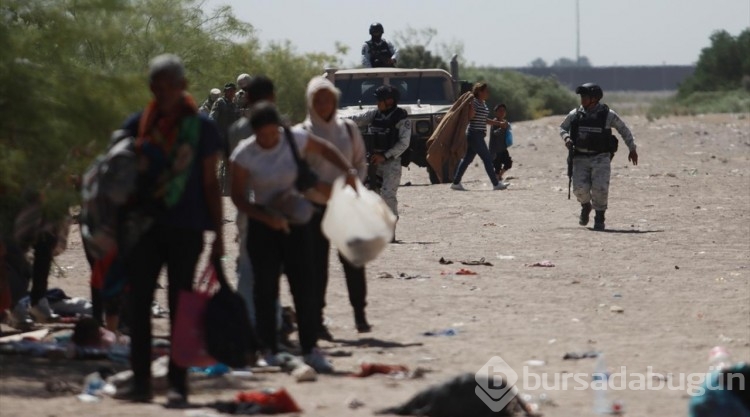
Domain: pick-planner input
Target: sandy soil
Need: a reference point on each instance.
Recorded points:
(675, 257)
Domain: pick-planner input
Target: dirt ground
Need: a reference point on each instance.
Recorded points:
(675, 258)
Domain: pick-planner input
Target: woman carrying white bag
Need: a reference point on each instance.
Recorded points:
(272, 164)
(322, 102)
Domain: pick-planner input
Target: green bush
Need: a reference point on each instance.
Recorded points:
(526, 96)
(72, 70)
(737, 101)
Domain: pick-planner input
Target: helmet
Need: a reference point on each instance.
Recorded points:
(385, 92)
(376, 28)
(591, 90)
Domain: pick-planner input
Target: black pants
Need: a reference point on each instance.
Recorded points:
(179, 249)
(356, 283)
(42, 265)
(502, 161)
(271, 253)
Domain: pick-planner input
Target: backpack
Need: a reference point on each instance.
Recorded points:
(106, 187)
(229, 335)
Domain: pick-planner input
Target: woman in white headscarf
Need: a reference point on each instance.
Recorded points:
(322, 102)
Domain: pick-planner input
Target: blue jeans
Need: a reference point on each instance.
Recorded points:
(476, 146)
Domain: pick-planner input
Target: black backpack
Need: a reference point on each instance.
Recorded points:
(230, 337)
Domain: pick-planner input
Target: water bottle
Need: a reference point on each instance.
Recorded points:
(603, 405)
(718, 358)
(93, 384)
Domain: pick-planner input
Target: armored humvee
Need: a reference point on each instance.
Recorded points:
(426, 95)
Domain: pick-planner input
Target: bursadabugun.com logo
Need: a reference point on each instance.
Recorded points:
(621, 380)
(496, 383)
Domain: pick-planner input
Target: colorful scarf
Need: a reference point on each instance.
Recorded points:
(167, 147)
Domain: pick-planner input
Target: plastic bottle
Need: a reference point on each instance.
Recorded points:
(718, 358)
(603, 405)
(93, 384)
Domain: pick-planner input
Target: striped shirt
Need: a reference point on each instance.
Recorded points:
(479, 122)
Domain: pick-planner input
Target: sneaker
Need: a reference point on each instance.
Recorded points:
(583, 220)
(176, 399)
(499, 186)
(133, 394)
(19, 317)
(458, 187)
(318, 362)
(42, 312)
(269, 359)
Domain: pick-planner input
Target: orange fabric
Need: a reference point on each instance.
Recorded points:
(368, 369)
(279, 401)
(100, 268)
(162, 130)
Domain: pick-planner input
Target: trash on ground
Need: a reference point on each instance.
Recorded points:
(444, 332)
(481, 261)
(544, 264)
(581, 355)
(368, 369)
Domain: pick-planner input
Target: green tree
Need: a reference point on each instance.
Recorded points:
(72, 70)
(722, 65)
(416, 56)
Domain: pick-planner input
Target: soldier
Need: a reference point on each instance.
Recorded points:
(587, 132)
(388, 136)
(224, 113)
(378, 52)
(208, 103)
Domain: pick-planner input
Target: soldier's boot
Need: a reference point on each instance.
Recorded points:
(599, 220)
(585, 211)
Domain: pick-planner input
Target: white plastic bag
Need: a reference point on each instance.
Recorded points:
(360, 225)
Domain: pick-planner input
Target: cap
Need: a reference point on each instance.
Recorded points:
(230, 86)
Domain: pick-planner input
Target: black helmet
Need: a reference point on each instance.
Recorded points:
(376, 28)
(385, 92)
(591, 90)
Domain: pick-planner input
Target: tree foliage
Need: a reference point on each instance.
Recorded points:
(527, 97)
(72, 70)
(416, 56)
(721, 66)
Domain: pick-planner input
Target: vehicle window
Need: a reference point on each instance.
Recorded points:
(427, 89)
(356, 90)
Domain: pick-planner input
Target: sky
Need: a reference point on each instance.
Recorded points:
(503, 33)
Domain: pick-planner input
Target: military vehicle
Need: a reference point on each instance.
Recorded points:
(426, 95)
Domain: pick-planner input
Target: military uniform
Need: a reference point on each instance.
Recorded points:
(395, 129)
(590, 130)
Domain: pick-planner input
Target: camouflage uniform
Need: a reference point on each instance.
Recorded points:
(390, 169)
(591, 170)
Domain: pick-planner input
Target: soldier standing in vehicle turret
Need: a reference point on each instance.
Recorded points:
(587, 132)
(388, 136)
(378, 52)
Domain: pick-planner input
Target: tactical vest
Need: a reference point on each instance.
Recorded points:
(383, 133)
(379, 54)
(589, 133)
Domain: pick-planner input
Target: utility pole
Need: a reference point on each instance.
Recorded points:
(578, 32)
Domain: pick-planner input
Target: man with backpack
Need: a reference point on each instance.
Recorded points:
(177, 189)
